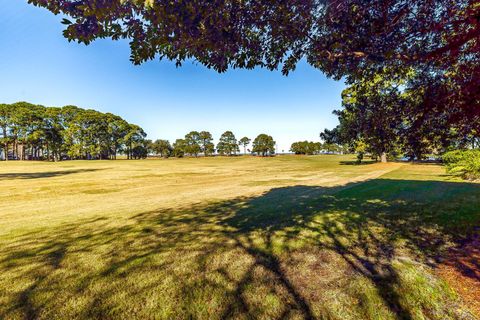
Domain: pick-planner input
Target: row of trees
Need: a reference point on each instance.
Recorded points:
(195, 143)
(412, 66)
(311, 148)
(306, 147)
(33, 132)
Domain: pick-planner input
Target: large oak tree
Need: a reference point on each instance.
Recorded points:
(355, 40)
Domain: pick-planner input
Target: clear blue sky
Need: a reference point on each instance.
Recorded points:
(38, 65)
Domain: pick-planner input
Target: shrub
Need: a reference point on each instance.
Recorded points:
(463, 162)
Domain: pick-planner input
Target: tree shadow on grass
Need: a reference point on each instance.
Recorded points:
(364, 223)
(356, 163)
(272, 256)
(40, 175)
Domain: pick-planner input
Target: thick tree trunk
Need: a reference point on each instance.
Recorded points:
(383, 157)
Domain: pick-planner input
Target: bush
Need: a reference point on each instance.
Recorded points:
(463, 162)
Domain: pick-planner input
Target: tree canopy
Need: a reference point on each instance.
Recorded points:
(32, 131)
(306, 147)
(192, 143)
(162, 148)
(179, 148)
(431, 47)
(392, 118)
(227, 144)
(264, 145)
(206, 144)
(244, 142)
(350, 38)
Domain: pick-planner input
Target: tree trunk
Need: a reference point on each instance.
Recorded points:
(384, 157)
(6, 143)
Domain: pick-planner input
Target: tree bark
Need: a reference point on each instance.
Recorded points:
(6, 143)
(383, 157)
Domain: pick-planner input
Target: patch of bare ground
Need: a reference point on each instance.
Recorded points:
(461, 270)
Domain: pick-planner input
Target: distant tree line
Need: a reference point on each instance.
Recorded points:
(311, 148)
(34, 132)
(412, 67)
(201, 143)
(306, 147)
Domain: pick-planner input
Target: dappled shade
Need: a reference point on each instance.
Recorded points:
(266, 256)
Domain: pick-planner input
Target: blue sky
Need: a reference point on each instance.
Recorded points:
(38, 65)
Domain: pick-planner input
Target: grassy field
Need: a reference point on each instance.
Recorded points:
(242, 238)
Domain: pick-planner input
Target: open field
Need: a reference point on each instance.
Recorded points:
(213, 238)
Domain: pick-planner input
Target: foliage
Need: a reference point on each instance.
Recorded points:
(360, 149)
(134, 138)
(139, 152)
(245, 141)
(162, 148)
(413, 66)
(306, 147)
(36, 132)
(370, 113)
(389, 115)
(351, 39)
(206, 145)
(264, 145)
(192, 143)
(463, 162)
(227, 144)
(198, 142)
(179, 148)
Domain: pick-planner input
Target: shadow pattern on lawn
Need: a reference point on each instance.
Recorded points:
(229, 248)
(46, 174)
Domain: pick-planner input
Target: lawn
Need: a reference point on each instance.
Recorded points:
(213, 238)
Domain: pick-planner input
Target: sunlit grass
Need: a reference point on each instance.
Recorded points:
(285, 237)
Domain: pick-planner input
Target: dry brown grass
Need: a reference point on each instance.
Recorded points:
(241, 238)
(41, 193)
